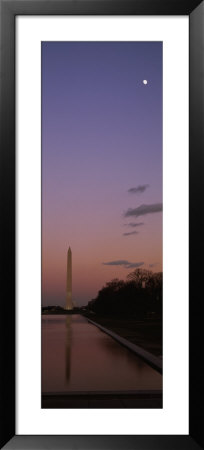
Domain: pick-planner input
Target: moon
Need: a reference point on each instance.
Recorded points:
(145, 81)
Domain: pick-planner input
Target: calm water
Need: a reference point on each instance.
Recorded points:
(77, 356)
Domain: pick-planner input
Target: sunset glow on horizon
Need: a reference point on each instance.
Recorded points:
(101, 164)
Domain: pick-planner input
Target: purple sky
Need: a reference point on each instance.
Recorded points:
(101, 137)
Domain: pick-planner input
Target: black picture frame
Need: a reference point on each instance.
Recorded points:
(9, 9)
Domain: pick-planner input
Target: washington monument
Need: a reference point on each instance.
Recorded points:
(69, 304)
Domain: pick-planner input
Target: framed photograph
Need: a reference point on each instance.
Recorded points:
(102, 168)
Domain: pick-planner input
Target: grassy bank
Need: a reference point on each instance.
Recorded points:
(146, 333)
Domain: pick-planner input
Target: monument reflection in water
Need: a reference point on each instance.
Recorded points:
(78, 357)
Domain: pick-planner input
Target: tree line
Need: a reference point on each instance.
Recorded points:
(140, 295)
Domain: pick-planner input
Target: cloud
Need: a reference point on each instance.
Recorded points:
(130, 233)
(132, 224)
(120, 262)
(135, 265)
(139, 189)
(153, 264)
(124, 263)
(142, 210)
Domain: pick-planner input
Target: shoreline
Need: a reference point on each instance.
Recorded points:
(149, 358)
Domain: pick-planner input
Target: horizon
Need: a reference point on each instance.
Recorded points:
(83, 305)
